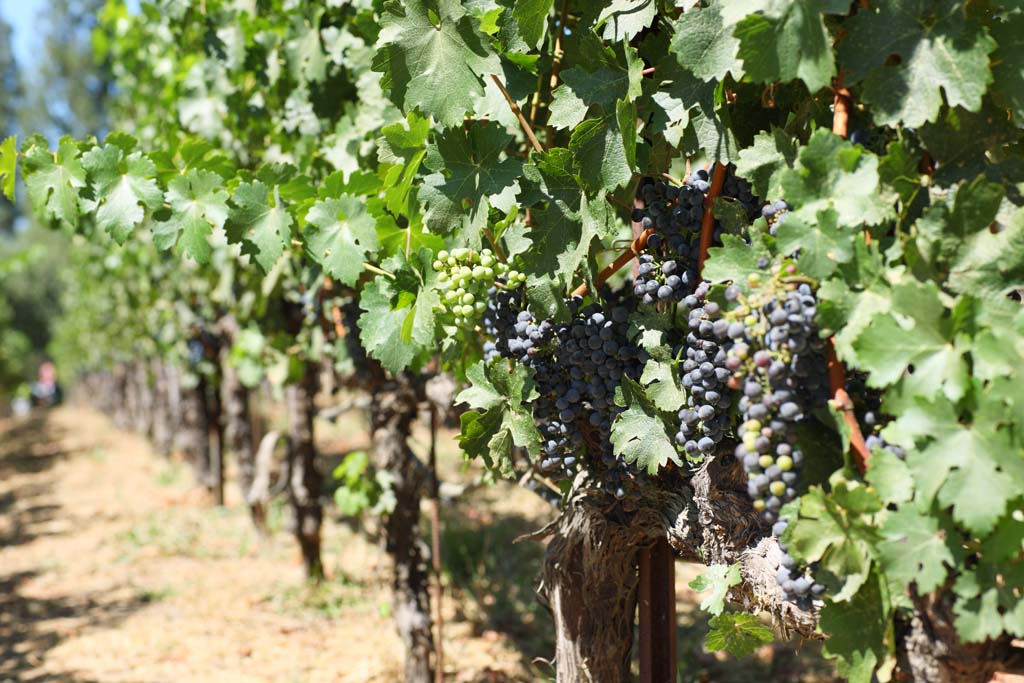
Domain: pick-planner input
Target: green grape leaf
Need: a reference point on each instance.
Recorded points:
(704, 44)
(826, 532)
(832, 174)
(8, 164)
(600, 158)
(125, 187)
(857, 631)
(885, 348)
(470, 177)
(906, 51)
(674, 94)
(762, 163)
(504, 394)
(734, 260)
(562, 228)
(622, 20)
(400, 150)
(54, 180)
(1008, 61)
(532, 20)
(978, 619)
(434, 59)
(199, 205)
(965, 469)
(640, 438)
(718, 578)
(581, 89)
(890, 476)
(737, 633)
(340, 235)
(789, 41)
(914, 549)
(260, 222)
(398, 324)
(991, 264)
(661, 381)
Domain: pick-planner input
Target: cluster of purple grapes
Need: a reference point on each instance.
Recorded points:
(515, 331)
(668, 266)
(577, 366)
(705, 417)
(798, 585)
(775, 213)
(778, 356)
(739, 189)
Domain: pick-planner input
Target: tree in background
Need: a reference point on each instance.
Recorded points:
(77, 87)
(10, 96)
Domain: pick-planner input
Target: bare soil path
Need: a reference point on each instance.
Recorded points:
(114, 569)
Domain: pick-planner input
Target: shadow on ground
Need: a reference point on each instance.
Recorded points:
(32, 626)
(30, 446)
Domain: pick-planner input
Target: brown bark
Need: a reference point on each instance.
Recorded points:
(164, 425)
(238, 437)
(393, 409)
(193, 436)
(305, 480)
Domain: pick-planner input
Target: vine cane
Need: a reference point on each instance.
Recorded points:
(836, 371)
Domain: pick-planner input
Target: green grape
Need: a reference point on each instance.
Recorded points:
(465, 276)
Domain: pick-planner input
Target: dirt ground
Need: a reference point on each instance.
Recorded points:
(114, 568)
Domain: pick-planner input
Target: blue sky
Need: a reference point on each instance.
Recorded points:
(21, 15)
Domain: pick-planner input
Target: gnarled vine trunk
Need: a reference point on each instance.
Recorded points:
(305, 481)
(164, 424)
(238, 436)
(193, 438)
(394, 407)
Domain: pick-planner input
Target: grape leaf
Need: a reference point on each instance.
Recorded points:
(401, 150)
(1008, 61)
(978, 619)
(829, 531)
(890, 476)
(906, 51)
(788, 41)
(398, 322)
(53, 179)
(857, 631)
(737, 633)
(436, 69)
(763, 162)
(914, 549)
(581, 89)
(833, 174)
(198, 204)
(340, 235)
(734, 260)
(885, 348)
(469, 179)
(640, 438)
(718, 578)
(704, 44)
(661, 381)
(8, 164)
(125, 186)
(599, 156)
(532, 20)
(262, 225)
(622, 20)
(504, 395)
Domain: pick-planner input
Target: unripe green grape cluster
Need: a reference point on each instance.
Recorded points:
(465, 277)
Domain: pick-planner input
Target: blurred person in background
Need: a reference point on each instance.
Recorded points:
(46, 392)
